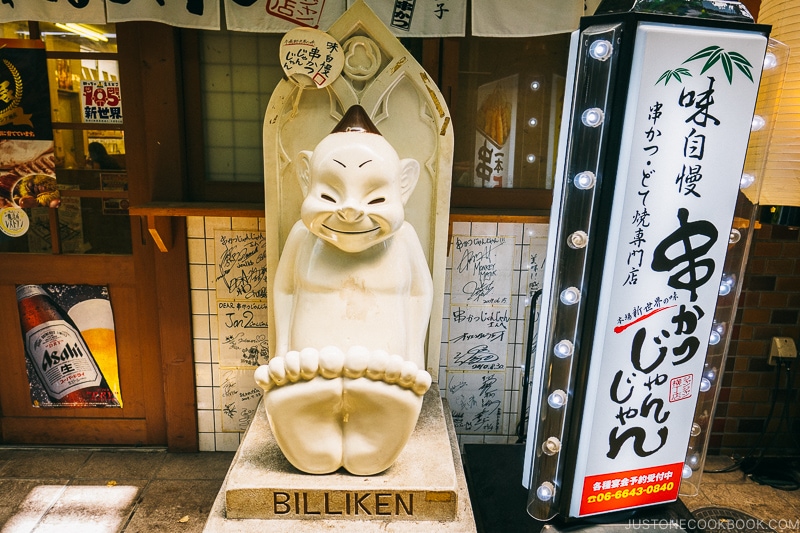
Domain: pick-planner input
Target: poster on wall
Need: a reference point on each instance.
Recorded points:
(101, 102)
(70, 345)
(27, 167)
(496, 132)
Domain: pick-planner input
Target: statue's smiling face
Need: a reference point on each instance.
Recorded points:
(356, 190)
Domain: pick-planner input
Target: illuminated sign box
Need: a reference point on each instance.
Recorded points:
(650, 168)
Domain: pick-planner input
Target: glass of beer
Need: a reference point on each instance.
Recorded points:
(95, 321)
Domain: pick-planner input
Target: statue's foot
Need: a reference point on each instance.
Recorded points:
(328, 409)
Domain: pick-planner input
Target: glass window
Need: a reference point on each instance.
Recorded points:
(88, 144)
(506, 111)
(238, 73)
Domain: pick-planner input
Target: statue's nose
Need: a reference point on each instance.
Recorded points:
(350, 214)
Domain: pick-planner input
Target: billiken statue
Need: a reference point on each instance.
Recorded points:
(352, 301)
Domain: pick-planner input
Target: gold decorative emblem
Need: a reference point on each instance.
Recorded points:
(11, 113)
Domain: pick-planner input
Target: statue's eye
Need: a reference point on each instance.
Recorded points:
(328, 198)
(377, 201)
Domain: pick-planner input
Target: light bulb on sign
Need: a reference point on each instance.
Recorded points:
(716, 334)
(746, 181)
(726, 285)
(600, 50)
(770, 61)
(578, 240)
(592, 117)
(696, 429)
(532, 122)
(705, 385)
(570, 296)
(563, 349)
(535, 85)
(584, 180)
(551, 446)
(530, 158)
(693, 461)
(686, 472)
(758, 123)
(735, 236)
(557, 399)
(545, 491)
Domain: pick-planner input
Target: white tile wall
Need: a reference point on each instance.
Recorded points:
(206, 356)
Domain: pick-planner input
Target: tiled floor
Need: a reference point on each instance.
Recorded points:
(55, 490)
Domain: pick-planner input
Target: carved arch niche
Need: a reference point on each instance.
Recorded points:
(408, 109)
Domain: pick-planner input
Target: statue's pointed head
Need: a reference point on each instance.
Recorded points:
(356, 120)
(355, 184)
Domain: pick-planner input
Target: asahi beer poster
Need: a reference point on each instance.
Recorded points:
(496, 131)
(683, 152)
(27, 167)
(70, 345)
(241, 299)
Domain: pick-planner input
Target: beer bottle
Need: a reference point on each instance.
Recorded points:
(58, 353)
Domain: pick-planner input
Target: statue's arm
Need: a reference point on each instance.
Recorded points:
(421, 298)
(284, 288)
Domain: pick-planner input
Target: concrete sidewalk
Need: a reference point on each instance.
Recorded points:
(101, 490)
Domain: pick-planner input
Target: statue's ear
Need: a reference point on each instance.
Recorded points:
(303, 163)
(409, 175)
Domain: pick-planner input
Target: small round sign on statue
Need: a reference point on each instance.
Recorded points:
(311, 59)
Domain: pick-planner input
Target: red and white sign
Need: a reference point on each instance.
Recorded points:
(101, 102)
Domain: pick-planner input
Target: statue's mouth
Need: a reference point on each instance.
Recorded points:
(360, 232)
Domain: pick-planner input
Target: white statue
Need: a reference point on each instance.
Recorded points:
(352, 300)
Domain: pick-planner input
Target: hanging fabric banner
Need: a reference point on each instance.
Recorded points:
(198, 14)
(280, 16)
(421, 18)
(528, 18)
(87, 11)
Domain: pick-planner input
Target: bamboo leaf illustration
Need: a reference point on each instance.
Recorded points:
(705, 52)
(712, 60)
(739, 59)
(677, 73)
(727, 65)
(745, 70)
(714, 54)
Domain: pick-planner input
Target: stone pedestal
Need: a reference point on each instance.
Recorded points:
(425, 490)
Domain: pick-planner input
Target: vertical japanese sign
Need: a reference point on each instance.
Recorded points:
(496, 132)
(686, 131)
(27, 167)
(101, 102)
